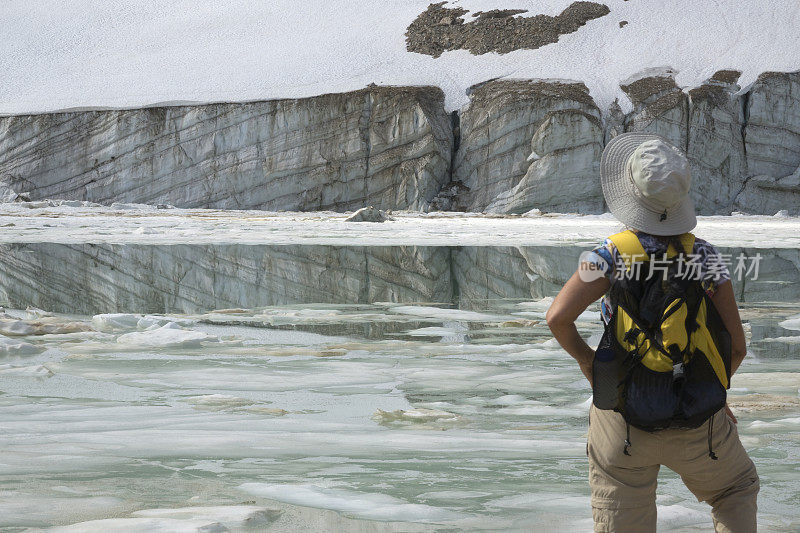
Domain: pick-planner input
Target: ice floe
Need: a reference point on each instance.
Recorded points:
(374, 506)
(170, 335)
(413, 415)
(44, 325)
(9, 346)
(31, 370)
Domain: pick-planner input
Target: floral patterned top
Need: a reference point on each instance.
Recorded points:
(710, 267)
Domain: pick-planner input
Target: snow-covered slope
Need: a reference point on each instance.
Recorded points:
(126, 53)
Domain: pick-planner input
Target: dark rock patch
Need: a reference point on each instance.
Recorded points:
(511, 89)
(450, 198)
(439, 29)
(726, 76)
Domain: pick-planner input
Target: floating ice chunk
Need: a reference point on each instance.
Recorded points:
(33, 371)
(533, 408)
(231, 311)
(121, 206)
(768, 382)
(77, 203)
(551, 501)
(170, 335)
(793, 322)
(453, 494)
(533, 157)
(264, 410)
(413, 415)
(45, 326)
(231, 516)
(510, 399)
(764, 402)
(594, 340)
(550, 343)
(17, 347)
(783, 423)
(152, 321)
(442, 313)
(783, 213)
(38, 204)
(537, 305)
(109, 322)
(365, 505)
(218, 401)
(145, 231)
(434, 332)
(16, 327)
(33, 313)
(143, 525)
(519, 323)
(675, 516)
(590, 315)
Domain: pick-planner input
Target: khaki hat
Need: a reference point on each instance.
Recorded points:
(646, 184)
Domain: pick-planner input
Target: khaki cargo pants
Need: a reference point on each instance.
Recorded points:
(624, 486)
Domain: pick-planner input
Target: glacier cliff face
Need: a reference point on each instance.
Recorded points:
(384, 146)
(744, 148)
(508, 124)
(518, 145)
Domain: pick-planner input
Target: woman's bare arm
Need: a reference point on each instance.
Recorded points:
(725, 302)
(571, 301)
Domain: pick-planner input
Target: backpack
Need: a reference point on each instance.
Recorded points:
(664, 358)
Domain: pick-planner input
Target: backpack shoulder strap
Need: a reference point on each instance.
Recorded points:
(629, 247)
(631, 250)
(687, 240)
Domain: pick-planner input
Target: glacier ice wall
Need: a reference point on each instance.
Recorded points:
(383, 146)
(517, 145)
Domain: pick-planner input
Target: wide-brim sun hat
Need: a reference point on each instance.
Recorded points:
(646, 182)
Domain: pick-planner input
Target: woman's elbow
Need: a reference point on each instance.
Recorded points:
(556, 320)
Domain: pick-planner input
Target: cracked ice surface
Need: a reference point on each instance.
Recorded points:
(380, 417)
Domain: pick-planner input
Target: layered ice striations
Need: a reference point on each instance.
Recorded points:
(507, 124)
(384, 146)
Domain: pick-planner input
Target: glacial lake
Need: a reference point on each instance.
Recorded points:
(379, 417)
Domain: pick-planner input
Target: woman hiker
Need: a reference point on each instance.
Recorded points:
(660, 373)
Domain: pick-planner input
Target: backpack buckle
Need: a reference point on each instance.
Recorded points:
(677, 371)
